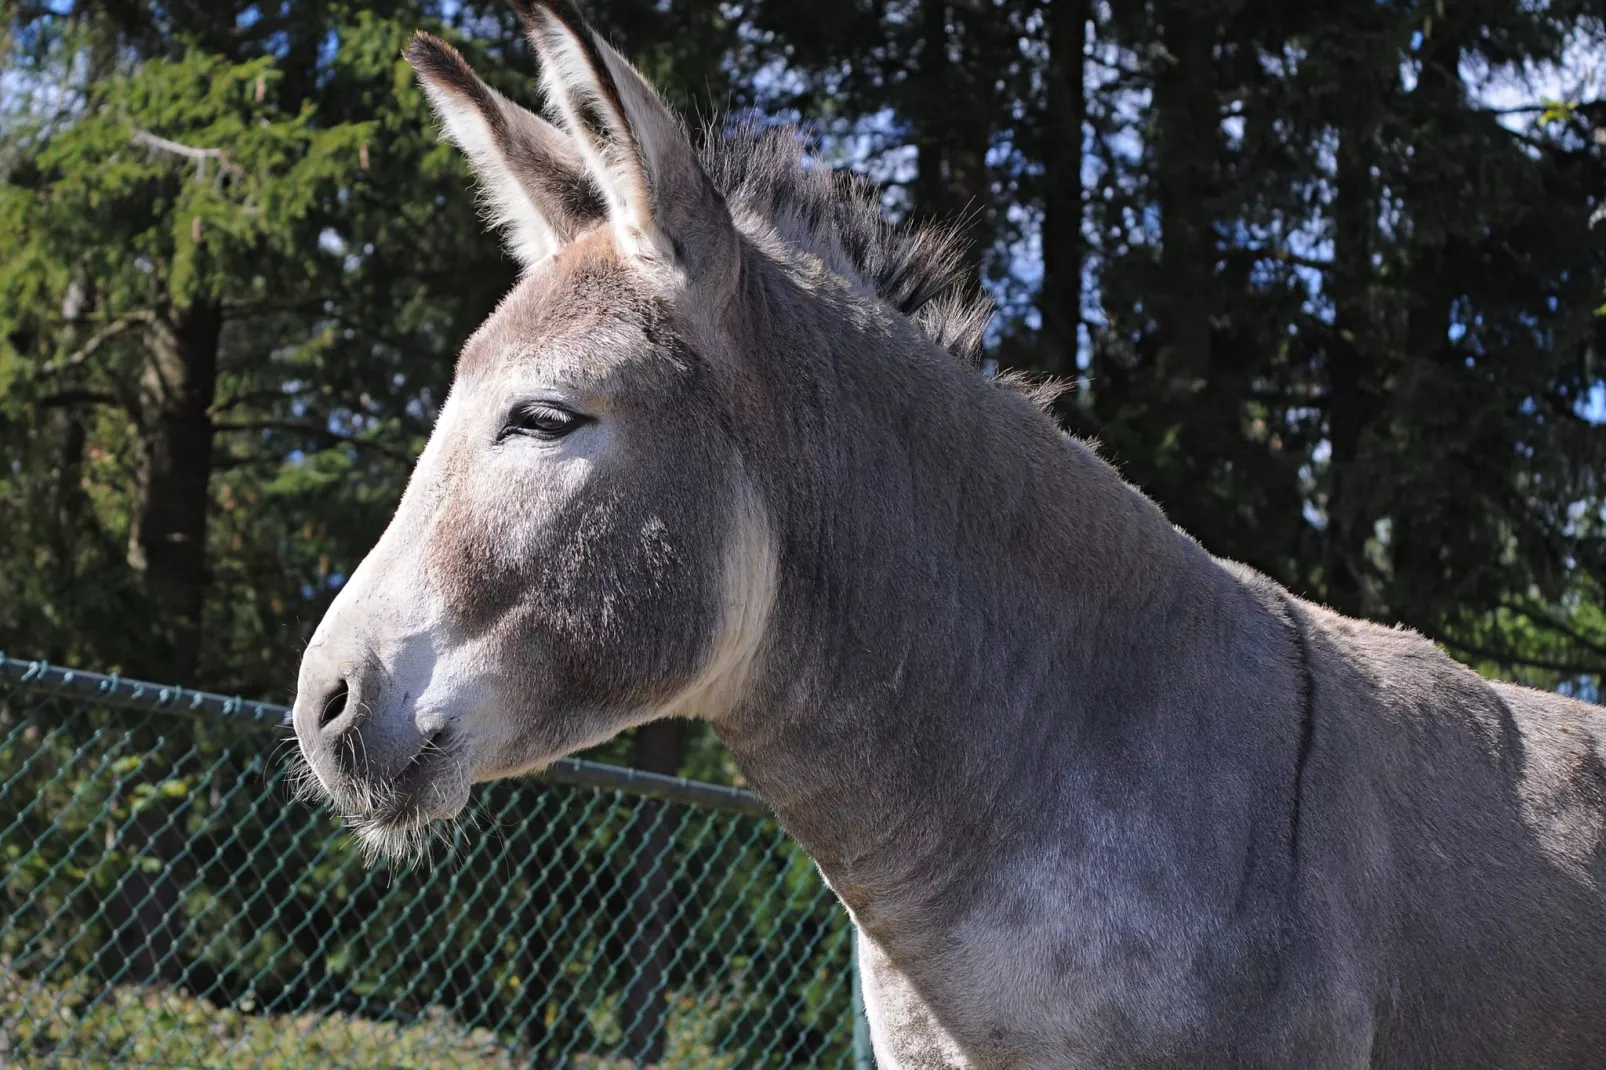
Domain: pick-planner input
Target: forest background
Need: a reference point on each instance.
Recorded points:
(1327, 280)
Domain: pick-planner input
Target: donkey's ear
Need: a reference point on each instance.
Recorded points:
(660, 200)
(532, 174)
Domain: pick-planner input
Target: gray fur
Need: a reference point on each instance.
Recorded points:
(1094, 798)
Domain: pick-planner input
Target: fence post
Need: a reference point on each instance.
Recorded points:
(644, 1011)
(863, 1057)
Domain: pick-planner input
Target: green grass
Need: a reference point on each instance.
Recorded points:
(66, 1027)
(62, 1027)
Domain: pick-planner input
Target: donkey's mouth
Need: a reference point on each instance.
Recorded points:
(432, 786)
(432, 751)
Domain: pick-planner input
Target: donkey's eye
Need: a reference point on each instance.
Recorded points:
(541, 419)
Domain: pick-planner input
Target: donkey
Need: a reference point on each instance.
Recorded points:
(1093, 797)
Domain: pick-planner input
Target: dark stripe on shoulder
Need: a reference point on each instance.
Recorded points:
(1307, 730)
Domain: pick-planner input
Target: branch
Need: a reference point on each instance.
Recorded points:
(98, 339)
(305, 427)
(264, 27)
(316, 310)
(229, 464)
(1520, 109)
(1509, 658)
(145, 137)
(78, 397)
(1287, 257)
(250, 397)
(200, 156)
(33, 12)
(1545, 620)
(1546, 146)
(1291, 400)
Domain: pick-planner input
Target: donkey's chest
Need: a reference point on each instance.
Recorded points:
(1053, 963)
(996, 1000)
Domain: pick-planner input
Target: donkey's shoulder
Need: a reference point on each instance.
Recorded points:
(1407, 699)
(1563, 775)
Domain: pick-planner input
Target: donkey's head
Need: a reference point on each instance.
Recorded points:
(593, 537)
(579, 549)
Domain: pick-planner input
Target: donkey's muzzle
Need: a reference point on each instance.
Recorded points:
(356, 745)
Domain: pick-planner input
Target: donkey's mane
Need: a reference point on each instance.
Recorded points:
(836, 216)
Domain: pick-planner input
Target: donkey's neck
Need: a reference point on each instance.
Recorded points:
(986, 643)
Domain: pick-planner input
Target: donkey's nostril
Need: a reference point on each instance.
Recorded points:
(334, 704)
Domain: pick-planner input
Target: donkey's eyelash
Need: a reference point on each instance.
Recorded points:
(541, 419)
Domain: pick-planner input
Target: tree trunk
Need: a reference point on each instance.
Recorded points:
(1437, 98)
(1351, 371)
(644, 1012)
(1186, 156)
(950, 107)
(67, 505)
(930, 188)
(167, 544)
(167, 538)
(1060, 300)
(1435, 254)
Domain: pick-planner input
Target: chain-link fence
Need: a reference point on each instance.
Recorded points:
(167, 903)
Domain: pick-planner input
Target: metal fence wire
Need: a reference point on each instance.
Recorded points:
(168, 903)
